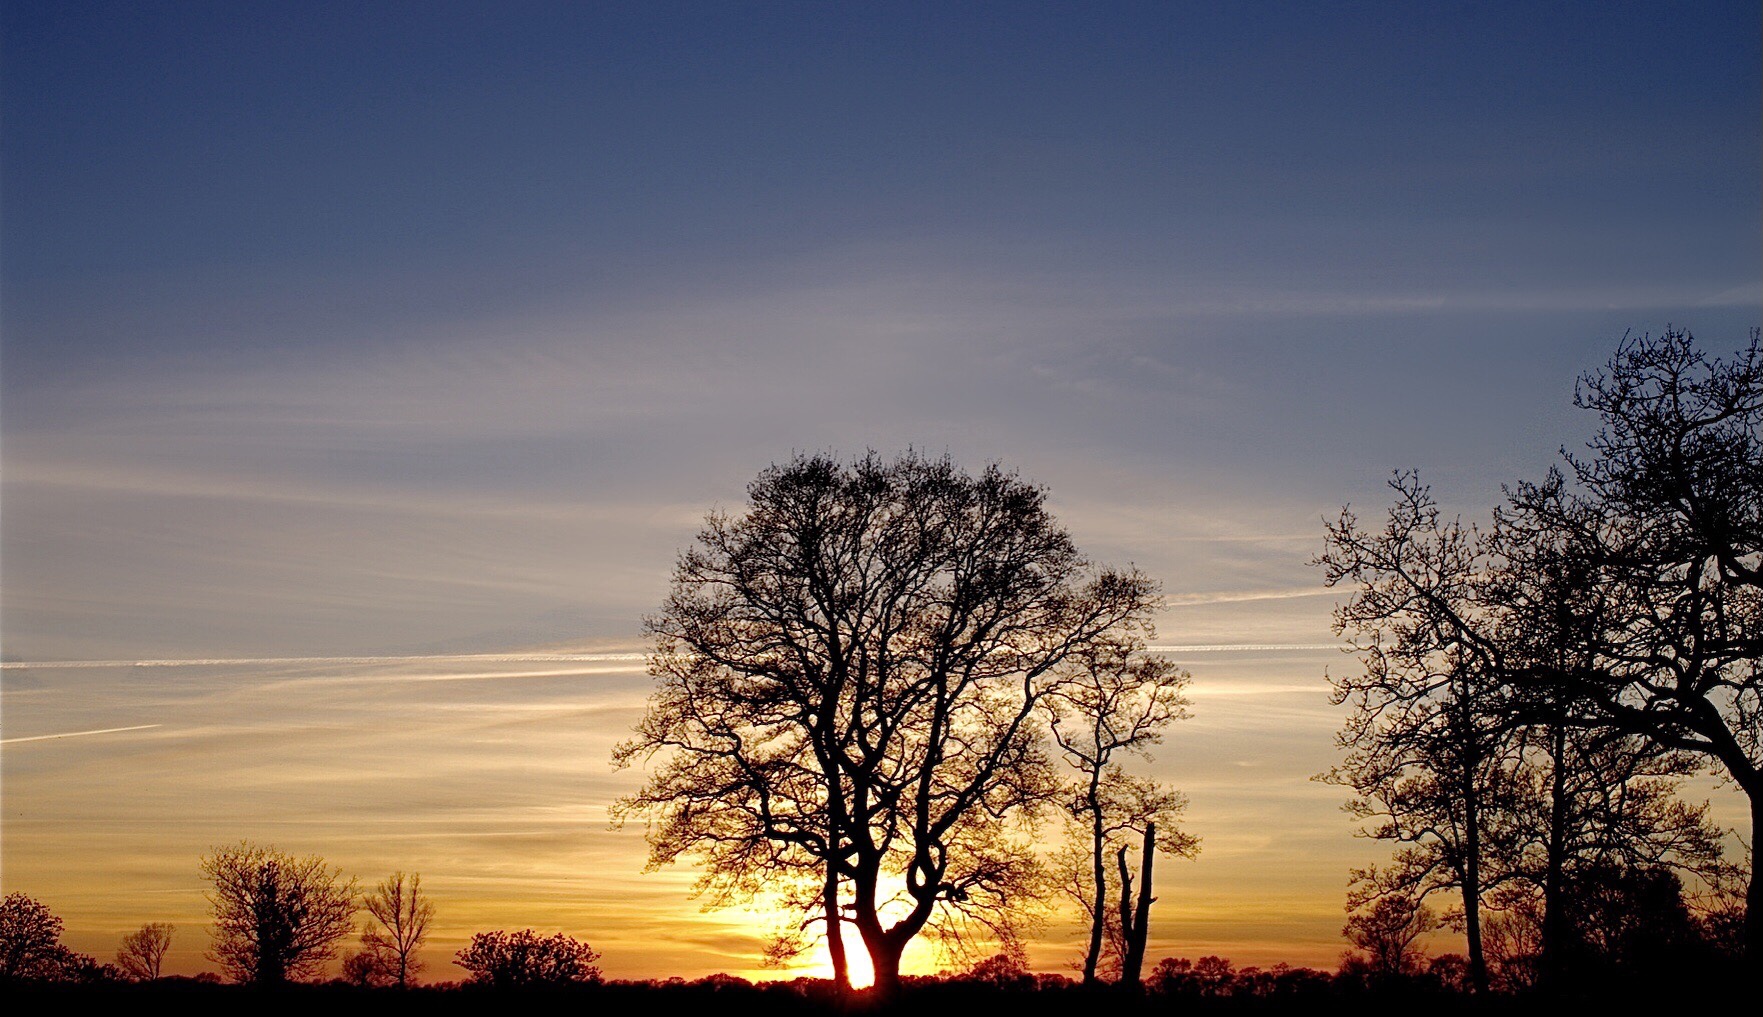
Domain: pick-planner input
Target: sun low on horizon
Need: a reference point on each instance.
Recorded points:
(490, 775)
(368, 373)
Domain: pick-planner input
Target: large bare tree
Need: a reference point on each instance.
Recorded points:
(276, 917)
(1663, 519)
(1625, 592)
(850, 676)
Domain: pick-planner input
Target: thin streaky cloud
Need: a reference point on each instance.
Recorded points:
(1240, 538)
(107, 476)
(1209, 691)
(1240, 647)
(78, 734)
(1240, 596)
(521, 658)
(491, 658)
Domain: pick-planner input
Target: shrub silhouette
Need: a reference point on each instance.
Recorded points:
(507, 960)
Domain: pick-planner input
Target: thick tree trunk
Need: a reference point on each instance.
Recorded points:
(835, 935)
(270, 970)
(884, 956)
(1139, 934)
(884, 945)
(1554, 900)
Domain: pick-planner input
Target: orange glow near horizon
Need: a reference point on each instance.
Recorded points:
(857, 964)
(492, 780)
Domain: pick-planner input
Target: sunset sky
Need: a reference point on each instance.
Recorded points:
(365, 366)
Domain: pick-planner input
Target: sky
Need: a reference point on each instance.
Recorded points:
(364, 367)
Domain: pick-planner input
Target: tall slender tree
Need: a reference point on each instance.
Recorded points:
(1118, 701)
(1428, 749)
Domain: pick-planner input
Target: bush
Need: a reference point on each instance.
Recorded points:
(522, 959)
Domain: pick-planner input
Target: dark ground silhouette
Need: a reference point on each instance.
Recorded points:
(918, 997)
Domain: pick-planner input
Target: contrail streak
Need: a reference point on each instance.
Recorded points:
(1234, 647)
(1237, 597)
(503, 658)
(77, 734)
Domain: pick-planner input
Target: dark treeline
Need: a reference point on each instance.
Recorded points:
(1275, 990)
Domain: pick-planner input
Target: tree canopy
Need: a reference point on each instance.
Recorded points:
(276, 917)
(1610, 618)
(850, 673)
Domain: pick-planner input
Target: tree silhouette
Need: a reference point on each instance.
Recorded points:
(1602, 801)
(1006, 969)
(143, 951)
(30, 941)
(1513, 938)
(1484, 780)
(850, 676)
(367, 969)
(1625, 593)
(1386, 932)
(1662, 524)
(401, 916)
(1429, 747)
(276, 917)
(525, 959)
(1118, 700)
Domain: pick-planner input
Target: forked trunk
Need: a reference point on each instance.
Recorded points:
(1139, 933)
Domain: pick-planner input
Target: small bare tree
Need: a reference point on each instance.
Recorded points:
(1118, 700)
(30, 941)
(366, 969)
(401, 917)
(1387, 931)
(143, 952)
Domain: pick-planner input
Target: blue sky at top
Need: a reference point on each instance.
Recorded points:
(277, 280)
